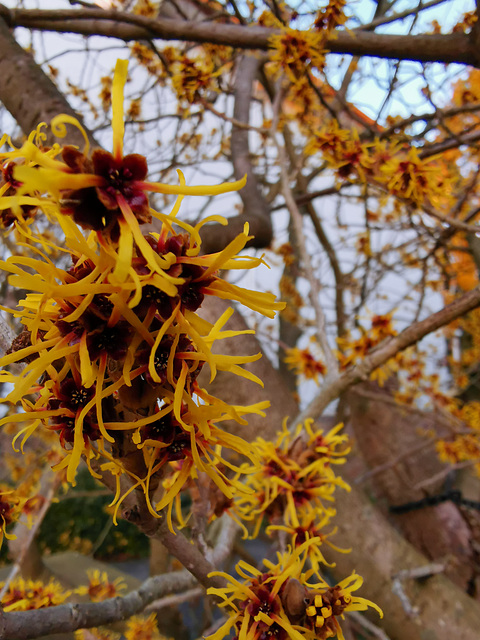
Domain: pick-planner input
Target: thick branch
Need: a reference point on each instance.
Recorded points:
(176, 543)
(380, 554)
(455, 47)
(30, 96)
(189, 555)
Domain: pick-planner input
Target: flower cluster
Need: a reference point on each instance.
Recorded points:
(416, 180)
(23, 595)
(352, 350)
(294, 52)
(143, 628)
(304, 363)
(14, 503)
(331, 16)
(100, 587)
(114, 351)
(392, 166)
(112, 343)
(283, 603)
(194, 78)
(295, 480)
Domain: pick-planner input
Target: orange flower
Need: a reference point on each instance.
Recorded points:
(303, 363)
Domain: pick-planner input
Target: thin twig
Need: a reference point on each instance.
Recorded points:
(378, 22)
(444, 472)
(16, 567)
(369, 626)
(174, 600)
(236, 123)
(416, 573)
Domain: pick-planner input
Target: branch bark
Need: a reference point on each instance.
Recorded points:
(455, 47)
(31, 97)
(255, 210)
(379, 554)
(387, 349)
(27, 625)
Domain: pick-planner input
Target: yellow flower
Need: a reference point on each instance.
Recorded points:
(193, 78)
(331, 16)
(416, 180)
(461, 448)
(295, 51)
(190, 444)
(295, 475)
(118, 330)
(281, 602)
(327, 604)
(328, 140)
(304, 363)
(11, 506)
(100, 587)
(381, 328)
(311, 526)
(143, 628)
(107, 192)
(23, 594)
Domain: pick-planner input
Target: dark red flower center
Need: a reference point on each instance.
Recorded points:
(5, 512)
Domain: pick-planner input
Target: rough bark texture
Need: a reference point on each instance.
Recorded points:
(255, 210)
(382, 433)
(379, 553)
(455, 47)
(30, 96)
(26, 625)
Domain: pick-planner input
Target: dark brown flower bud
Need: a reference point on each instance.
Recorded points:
(294, 598)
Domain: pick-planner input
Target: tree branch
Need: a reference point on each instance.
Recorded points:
(26, 625)
(255, 210)
(455, 47)
(321, 332)
(31, 97)
(389, 348)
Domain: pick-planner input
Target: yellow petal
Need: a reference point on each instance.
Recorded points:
(58, 128)
(118, 126)
(53, 181)
(125, 252)
(206, 190)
